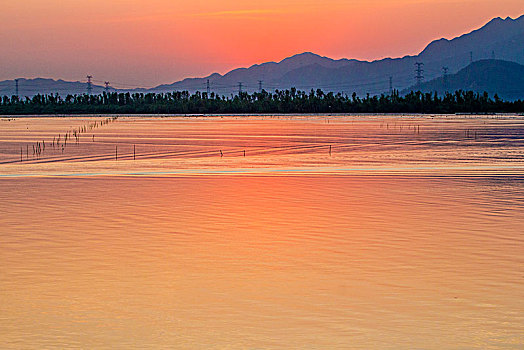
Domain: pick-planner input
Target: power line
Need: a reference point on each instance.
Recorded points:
(131, 86)
(239, 88)
(338, 85)
(366, 84)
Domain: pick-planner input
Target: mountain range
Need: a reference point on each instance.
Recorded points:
(498, 40)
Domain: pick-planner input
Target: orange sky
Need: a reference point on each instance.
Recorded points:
(145, 43)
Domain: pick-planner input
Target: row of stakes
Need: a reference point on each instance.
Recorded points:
(221, 153)
(416, 130)
(60, 142)
(39, 148)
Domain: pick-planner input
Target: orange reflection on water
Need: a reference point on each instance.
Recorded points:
(250, 261)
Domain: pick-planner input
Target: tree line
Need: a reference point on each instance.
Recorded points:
(279, 101)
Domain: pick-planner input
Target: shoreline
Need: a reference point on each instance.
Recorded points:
(248, 115)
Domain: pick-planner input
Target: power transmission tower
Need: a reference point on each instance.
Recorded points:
(16, 85)
(390, 86)
(239, 88)
(107, 87)
(260, 85)
(419, 71)
(208, 87)
(89, 84)
(445, 71)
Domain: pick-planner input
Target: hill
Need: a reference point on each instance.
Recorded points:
(506, 79)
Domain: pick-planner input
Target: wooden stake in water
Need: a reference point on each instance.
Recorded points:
(134, 152)
(21, 155)
(221, 154)
(329, 149)
(116, 152)
(244, 153)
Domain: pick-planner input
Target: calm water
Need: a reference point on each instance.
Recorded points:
(408, 234)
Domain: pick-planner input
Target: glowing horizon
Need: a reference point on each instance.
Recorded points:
(146, 44)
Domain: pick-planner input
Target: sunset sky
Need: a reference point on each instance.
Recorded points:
(146, 43)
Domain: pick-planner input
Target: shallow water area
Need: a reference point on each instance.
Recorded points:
(386, 232)
(261, 144)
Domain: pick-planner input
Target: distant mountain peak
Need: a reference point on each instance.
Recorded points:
(507, 19)
(499, 19)
(477, 40)
(304, 57)
(304, 54)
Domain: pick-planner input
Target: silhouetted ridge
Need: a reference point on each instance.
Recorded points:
(506, 79)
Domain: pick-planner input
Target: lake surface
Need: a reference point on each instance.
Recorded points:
(364, 232)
